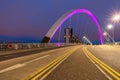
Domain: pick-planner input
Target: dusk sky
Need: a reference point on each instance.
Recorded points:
(31, 19)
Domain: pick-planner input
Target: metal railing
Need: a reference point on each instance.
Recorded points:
(17, 46)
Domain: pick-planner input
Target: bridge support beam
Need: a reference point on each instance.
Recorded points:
(45, 39)
(66, 16)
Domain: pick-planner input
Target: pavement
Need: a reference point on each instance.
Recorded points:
(67, 63)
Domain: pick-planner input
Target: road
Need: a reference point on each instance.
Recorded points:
(5, 55)
(67, 63)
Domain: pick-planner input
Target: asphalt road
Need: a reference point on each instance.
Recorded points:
(76, 67)
(20, 67)
(68, 63)
(20, 53)
(108, 54)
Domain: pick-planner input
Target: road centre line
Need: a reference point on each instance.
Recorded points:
(43, 77)
(43, 72)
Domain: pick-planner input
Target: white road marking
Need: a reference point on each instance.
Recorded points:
(22, 64)
(37, 59)
(12, 67)
(101, 70)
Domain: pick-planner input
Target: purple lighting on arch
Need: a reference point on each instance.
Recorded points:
(73, 12)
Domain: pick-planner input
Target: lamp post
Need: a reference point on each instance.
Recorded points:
(105, 34)
(115, 19)
(111, 27)
(86, 39)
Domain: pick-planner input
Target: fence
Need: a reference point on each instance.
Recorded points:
(17, 46)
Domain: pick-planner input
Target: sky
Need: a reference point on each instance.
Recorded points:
(31, 19)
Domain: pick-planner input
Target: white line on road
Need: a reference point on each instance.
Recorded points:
(102, 71)
(22, 64)
(37, 59)
(12, 67)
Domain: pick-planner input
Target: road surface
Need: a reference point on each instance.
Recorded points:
(68, 63)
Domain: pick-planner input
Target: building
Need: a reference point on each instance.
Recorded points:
(69, 37)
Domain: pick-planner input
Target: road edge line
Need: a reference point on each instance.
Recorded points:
(101, 70)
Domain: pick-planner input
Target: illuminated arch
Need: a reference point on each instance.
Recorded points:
(63, 18)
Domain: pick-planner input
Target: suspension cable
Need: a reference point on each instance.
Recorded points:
(70, 22)
(59, 35)
(77, 23)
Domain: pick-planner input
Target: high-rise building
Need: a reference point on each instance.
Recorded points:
(69, 37)
(68, 34)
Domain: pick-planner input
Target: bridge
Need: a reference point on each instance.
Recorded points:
(73, 59)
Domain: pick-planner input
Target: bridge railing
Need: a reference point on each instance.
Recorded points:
(17, 46)
(113, 43)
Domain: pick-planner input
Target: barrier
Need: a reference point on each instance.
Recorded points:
(17, 46)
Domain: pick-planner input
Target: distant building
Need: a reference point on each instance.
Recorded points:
(67, 34)
(69, 37)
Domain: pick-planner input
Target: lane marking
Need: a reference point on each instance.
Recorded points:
(108, 69)
(103, 72)
(22, 64)
(36, 59)
(52, 66)
(43, 77)
(47, 69)
(46, 66)
(56, 61)
(12, 68)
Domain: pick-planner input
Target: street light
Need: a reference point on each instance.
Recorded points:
(110, 26)
(105, 33)
(86, 39)
(116, 18)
